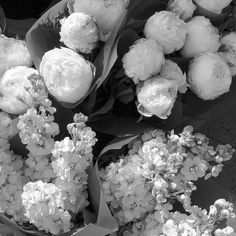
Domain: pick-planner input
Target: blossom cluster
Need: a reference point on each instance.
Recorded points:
(158, 170)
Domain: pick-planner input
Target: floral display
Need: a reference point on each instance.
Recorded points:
(104, 114)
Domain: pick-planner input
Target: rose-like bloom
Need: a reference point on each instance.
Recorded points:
(16, 90)
(171, 71)
(157, 96)
(79, 32)
(183, 8)
(202, 37)
(143, 60)
(167, 29)
(228, 50)
(67, 75)
(13, 52)
(209, 76)
(215, 6)
(227, 231)
(106, 12)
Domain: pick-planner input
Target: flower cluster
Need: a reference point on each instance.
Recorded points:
(158, 169)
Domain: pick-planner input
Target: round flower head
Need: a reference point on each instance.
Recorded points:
(7, 125)
(170, 70)
(209, 76)
(167, 29)
(183, 8)
(228, 50)
(13, 52)
(67, 75)
(202, 37)
(215, 6)
(156, 96)
(79, 32)
(16, 90)
(106, 12)
(143, 60)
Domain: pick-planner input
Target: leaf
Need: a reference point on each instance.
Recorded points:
(2, 20)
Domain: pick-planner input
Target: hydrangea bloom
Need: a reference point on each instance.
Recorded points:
(209, 76)
(44, 207)
(143, 60)
(202, 37)
(167, 29)
(79, 32)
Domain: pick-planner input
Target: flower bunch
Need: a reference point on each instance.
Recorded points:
(158, 169)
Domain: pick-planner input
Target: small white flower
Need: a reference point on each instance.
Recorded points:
(227, 231)
(16, 90)
(156, 96)
(202, 36)
(143, 60)
(171, 71)
(209, 76)
(79, 32)
(167, 29)
(215, 6)
(106, 12)
(67, 75)
(183, 8)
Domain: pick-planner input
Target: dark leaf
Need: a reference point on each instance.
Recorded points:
(2, 20)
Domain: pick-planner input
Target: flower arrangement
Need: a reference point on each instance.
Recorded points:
(90, 119)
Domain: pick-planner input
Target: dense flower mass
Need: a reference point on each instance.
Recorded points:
(167, 29)
(143, 60)
(159, 168)
(79, 32)
(209, 76)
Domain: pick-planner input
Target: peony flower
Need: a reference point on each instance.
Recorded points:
(156, 96)
(215, 6)
(67, 75)
(209, 76)
(202, 37)
(79, 32)
(170, 70)
(106, 12)
(13, 52)
(166, 29)
(16, 90)
(183, 8)
(228, 50)
(143, 60)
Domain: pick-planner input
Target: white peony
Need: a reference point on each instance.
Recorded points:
(167, 29)
(156, 96)
(16, 90)
(202, 37)
(13, 52)
(79, 32)
(170, 70)
(143, 60)
(67, 75)
(106, 12)
(215, 6)
(183, 8)
(209, 76)
(228, 50)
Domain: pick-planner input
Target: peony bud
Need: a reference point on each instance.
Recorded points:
(228, 50)
(183, 8)
(209, 76)
(166, 29)
(106, 12)
(202, 37)
(67, 75)
(156, 96)
(16, 90)
(13, 52)
(79, 32)
(170, 70)
(143, 60)
(215, 6)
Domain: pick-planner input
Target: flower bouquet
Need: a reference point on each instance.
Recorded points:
(88, 104)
